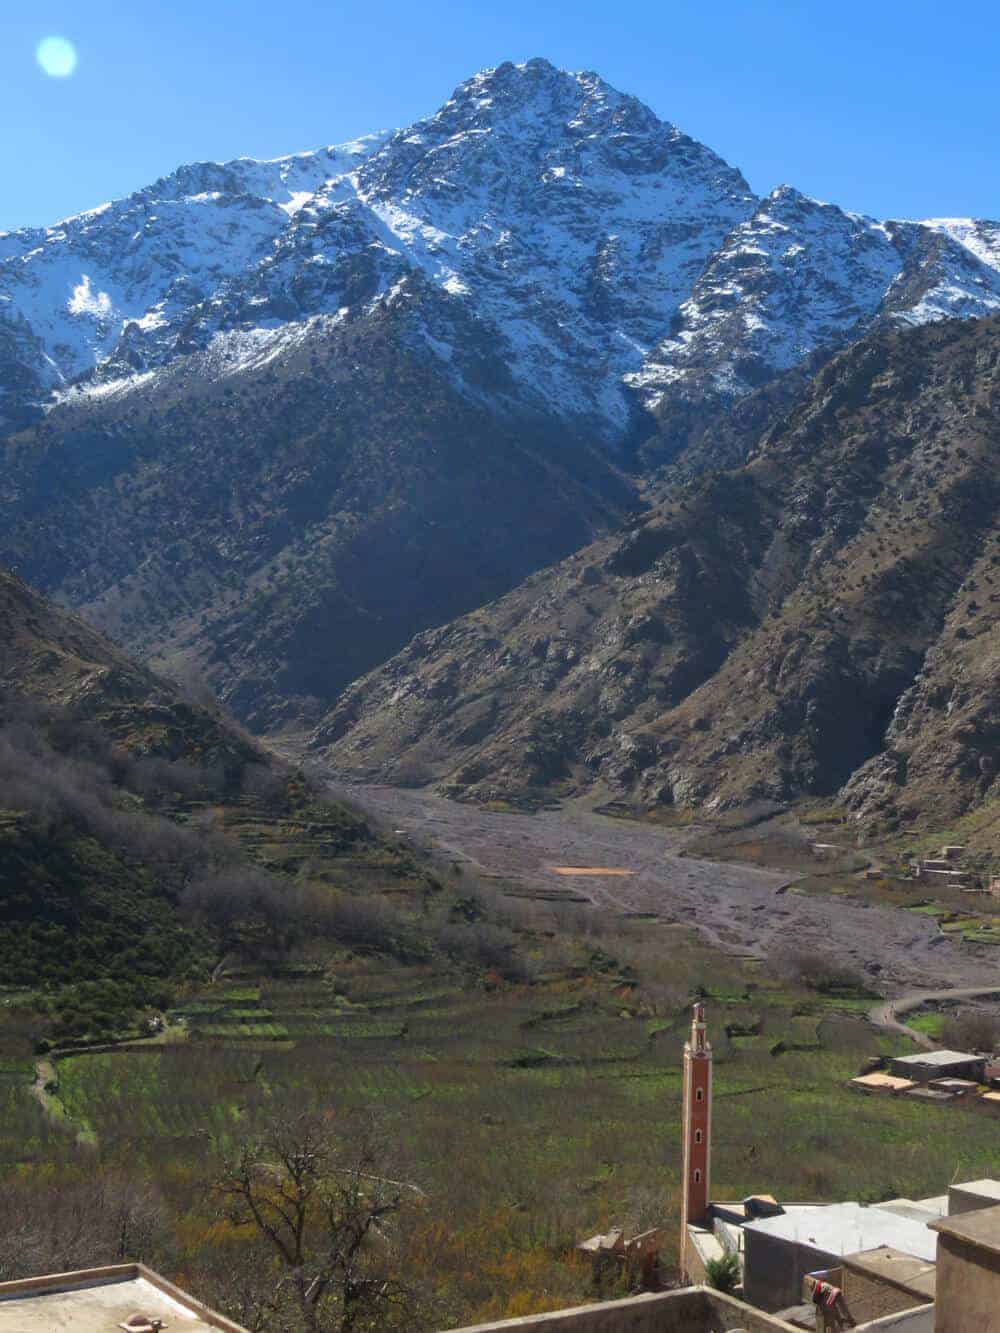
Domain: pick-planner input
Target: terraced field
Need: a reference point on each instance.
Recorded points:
(526, 1078)
(569, 1060)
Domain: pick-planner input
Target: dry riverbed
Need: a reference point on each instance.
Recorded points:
(738, 908)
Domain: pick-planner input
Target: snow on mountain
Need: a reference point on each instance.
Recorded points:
(571, 218)
(796, 275)
(139, 266)
(800, 275)
(606, 257)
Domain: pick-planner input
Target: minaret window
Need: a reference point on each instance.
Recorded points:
(700, 1095)
(697, 1136)
(697, 1176)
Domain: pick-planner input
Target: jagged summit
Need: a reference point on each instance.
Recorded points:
(615, 264)
(559, 123)
(539, 84)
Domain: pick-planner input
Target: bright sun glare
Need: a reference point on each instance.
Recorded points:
(57, 57)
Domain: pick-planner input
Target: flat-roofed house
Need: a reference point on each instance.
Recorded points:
(883, 1085)
(928, 1065)
(970, 1195)
(968, 1272)
(778, 1252)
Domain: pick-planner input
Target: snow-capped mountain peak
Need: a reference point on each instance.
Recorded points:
(610, 261)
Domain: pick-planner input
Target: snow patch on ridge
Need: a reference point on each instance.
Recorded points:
(85, 301)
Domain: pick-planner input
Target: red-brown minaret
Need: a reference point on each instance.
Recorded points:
(697, 1128)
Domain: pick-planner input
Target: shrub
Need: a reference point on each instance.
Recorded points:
(723, 1273)
(819, 971)
(974, 1030)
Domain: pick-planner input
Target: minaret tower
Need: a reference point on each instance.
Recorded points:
(697, 1128)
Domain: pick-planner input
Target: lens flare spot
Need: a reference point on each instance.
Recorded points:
(56, 56)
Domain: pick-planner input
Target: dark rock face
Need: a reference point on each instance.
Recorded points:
(282, 534)
(825, 617)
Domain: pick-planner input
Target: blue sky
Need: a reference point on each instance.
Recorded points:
(885, 107)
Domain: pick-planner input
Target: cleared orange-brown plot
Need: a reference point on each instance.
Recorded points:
(590, 870)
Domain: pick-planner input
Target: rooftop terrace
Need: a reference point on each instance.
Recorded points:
(848, 1228)
(102, 1300)
(943, 1058)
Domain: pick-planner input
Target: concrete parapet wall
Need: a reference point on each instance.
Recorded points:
(88, 1280)
(690, 1310)
(920, 1320)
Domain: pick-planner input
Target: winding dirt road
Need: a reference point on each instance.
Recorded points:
(886, 1015)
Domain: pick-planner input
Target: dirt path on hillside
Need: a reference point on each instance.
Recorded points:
(738, 908)
(887, 1015)
(46, 1078)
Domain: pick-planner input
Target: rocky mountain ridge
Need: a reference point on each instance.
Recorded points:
(270, 420)
(277, 527)
(825, 618)
(617, 264)
(57, 661)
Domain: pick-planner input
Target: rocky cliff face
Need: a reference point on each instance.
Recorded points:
(826, 616)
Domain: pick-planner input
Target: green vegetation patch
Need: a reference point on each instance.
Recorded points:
(927, 1020)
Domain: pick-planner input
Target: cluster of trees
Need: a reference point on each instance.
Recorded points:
(299, 1230)
(972, 1030)
(820, 970)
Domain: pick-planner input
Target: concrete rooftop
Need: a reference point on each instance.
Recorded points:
(934, 1058)
(847, 1228)
(888, 1081)
(923, 1211)
(987, 1189)
(980, 1228)
(99, 1301)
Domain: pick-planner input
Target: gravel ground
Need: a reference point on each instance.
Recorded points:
(740, 909)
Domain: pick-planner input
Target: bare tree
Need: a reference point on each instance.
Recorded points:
(324, 1210)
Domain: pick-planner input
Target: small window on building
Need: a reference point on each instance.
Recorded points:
(700, 1095)
(697, 1177)
(697, 1136)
